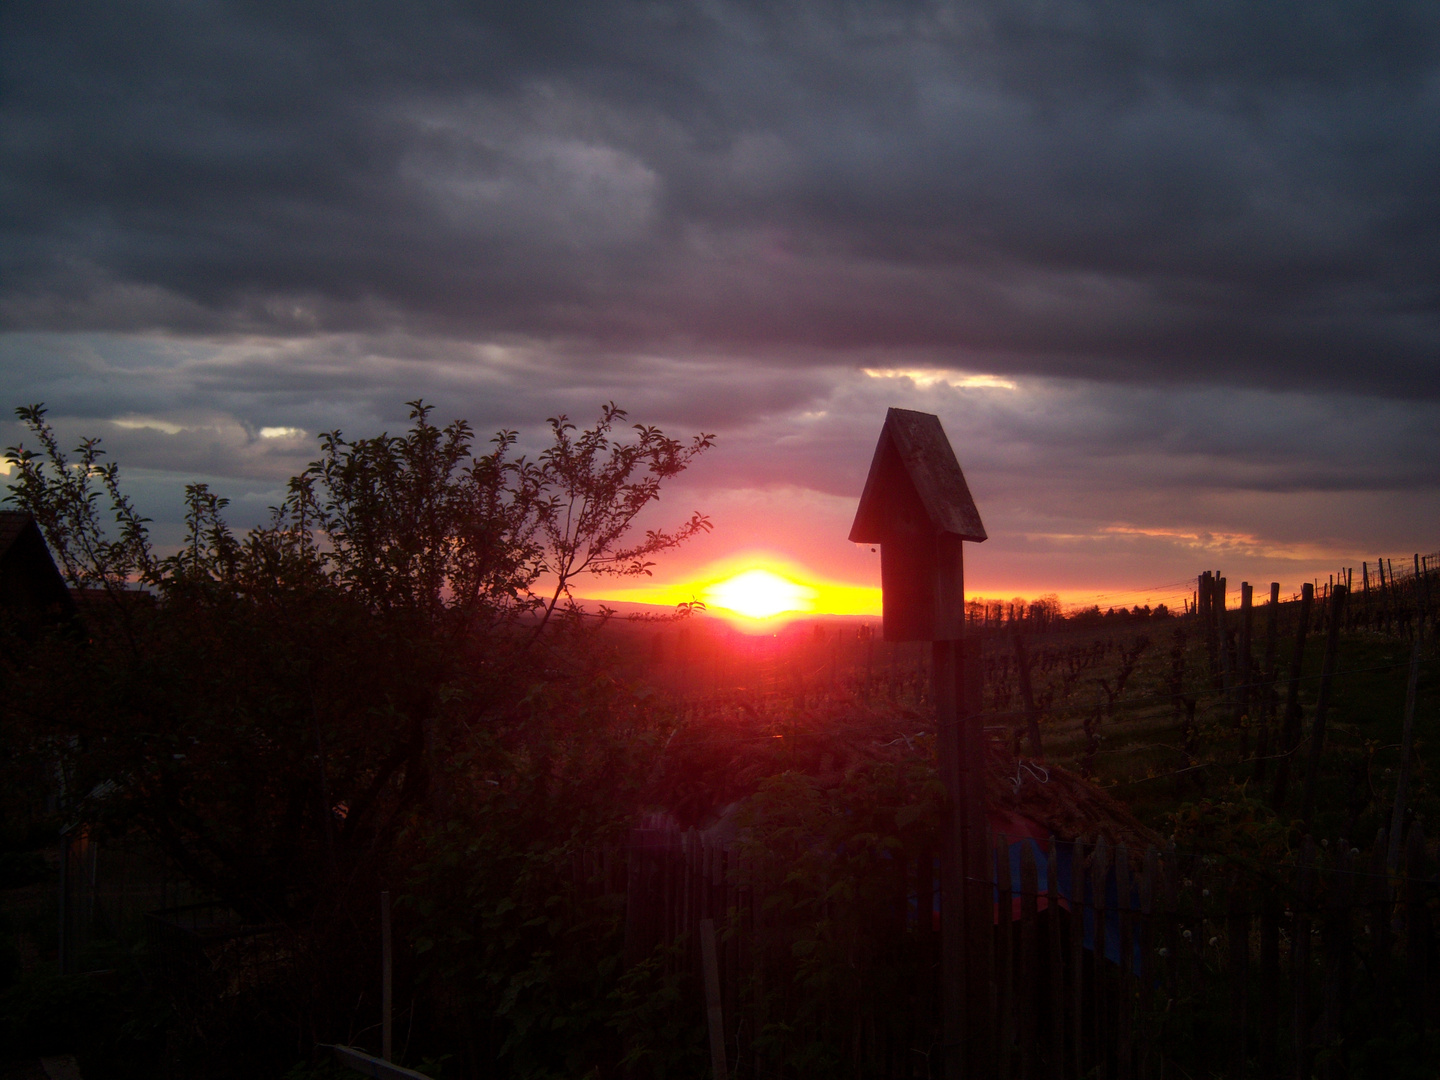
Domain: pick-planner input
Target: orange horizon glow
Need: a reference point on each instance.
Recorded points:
(760, 591)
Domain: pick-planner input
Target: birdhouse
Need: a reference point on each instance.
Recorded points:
(917, 507)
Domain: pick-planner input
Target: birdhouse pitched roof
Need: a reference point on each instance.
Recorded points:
(914, 474)
(28, 575)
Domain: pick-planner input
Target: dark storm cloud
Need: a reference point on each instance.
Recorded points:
(1236, 193)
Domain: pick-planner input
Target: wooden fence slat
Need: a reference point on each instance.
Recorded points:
(1267, 1032)
(1030, 976)
(714, 1016)
(1145, 1066)
(928, 942)
(1300, 957)
(1055, 1059)
(730, 940)
(1335, 940)
(1377, 897)
(1171, 901)
(1099, 989)
(1335, 931)
(1004, 968)
(759, 942)
(1238, 935)
(1077, 957)
(1418, 932)
(1124, 983)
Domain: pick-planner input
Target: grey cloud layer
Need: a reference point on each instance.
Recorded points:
(1232, 193)
(1052, 457)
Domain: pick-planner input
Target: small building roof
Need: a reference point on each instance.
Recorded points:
(12, 524)
(914, 475)
(29, 579)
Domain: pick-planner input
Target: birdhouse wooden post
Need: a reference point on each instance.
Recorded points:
(917, 507)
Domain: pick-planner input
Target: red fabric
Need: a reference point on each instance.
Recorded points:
(1015, 827)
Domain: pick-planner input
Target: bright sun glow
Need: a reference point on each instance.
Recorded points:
(757, 590)
(759, 594)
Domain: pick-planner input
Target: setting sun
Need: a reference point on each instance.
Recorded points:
(759, 594)
(756, 591)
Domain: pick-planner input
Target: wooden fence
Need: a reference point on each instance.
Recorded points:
(1108, 963)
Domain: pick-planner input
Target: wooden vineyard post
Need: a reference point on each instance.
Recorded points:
(1267, 679)
(1290, 732)
(1221, 630)
(917, 507)
(1384, 595)
(1244, 708)
(1027, 696)
(1322, 702)
(1407, 745)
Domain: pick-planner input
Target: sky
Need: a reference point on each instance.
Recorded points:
(1169, 273)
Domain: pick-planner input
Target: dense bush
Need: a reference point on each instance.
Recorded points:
(387, 686)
